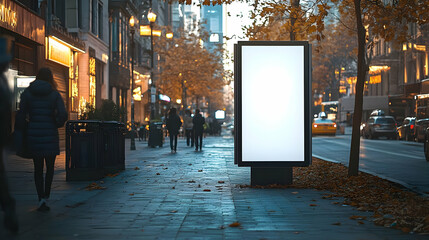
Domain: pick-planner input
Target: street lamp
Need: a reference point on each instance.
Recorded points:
(133, 128)
(151, 16)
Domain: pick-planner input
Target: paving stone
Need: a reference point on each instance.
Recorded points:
(139, 204)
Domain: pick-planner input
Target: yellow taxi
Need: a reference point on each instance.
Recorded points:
(323, 126)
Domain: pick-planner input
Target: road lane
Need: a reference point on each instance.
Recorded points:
(399, 161)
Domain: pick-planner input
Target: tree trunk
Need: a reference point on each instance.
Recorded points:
(361, 74)
(295, 5)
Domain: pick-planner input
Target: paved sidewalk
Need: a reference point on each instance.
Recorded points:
(187, 195)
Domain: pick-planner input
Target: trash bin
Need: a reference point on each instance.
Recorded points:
(84, 151)
(93, 149)
(156, 136)
(113, 146)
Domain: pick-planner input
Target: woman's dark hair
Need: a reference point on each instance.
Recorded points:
(172, 112)
(45, 74)
(197, 111)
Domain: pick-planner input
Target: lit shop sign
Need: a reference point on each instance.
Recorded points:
(58, 52)
(144, 30)
(8, 16)
(375, 79)
(92, 81)
(164, 98)
(283, 140)
(24, 82)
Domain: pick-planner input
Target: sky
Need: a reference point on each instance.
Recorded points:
(238, 17)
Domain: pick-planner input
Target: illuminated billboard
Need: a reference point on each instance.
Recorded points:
(272, 103)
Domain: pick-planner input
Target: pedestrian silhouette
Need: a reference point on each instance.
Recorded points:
(44, 108)
(198, 122)
(6, 200)
(188, 126)
(173, 125)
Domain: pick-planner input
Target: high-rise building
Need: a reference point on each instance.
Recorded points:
(212, 18)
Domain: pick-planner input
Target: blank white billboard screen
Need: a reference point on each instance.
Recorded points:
(272, 103)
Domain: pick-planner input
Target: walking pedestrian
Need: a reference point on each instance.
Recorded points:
(198, 122)
(188, 125)
(173, 125)
(7, 202)
(45, 110)
(141, 130)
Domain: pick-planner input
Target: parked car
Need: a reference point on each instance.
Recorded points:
(406, 130)
(379, 126)
(420, 129)
(323, 126)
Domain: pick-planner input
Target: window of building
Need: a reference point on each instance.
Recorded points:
(94, 16)
(100, 20)
(79, 13)
(114, 34)
(120, 39)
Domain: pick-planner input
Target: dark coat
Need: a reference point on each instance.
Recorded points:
(198, 122)
(45, 110)
(173, 124)
(5, 110)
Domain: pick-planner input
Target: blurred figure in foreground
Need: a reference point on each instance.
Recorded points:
(44, 108)
(6, 200)
(173, 125)
(198, 122)
(188, 126)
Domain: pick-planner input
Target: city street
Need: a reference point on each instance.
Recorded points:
(187, 195)
(399, 161)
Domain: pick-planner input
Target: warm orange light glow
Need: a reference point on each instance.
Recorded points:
(377, 69)
(375, 79)
(137, 94)
(58, 52)
(132, 21)
(8, 16)
(351, 80)
(420, 47)
(156, 33)
(92, 81)
(151, 16)
(145, 30)
(169, 35)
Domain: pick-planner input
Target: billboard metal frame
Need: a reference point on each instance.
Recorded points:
(238, 155)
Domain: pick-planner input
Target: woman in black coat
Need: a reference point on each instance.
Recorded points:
(173, 125)
(44, 108)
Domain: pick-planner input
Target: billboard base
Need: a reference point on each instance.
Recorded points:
(260, 176)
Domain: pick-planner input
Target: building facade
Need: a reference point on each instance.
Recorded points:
(88, 20)
(396, 73)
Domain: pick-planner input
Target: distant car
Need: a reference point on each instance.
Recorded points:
(379, 126)
(420, 129)
(323, 126)
(406, 130)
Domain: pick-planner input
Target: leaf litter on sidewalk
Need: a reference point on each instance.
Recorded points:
(392, 205)
(94, 186)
